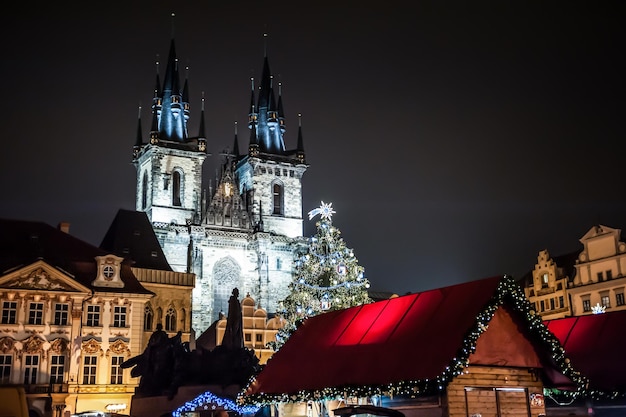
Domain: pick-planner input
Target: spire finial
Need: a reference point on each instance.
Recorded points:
(265, 43)
(202, 101)
(173, 26)
(139, 112)
(235, 127)
(299, 119)
(252, 83)
(157, 64)
(280, 88)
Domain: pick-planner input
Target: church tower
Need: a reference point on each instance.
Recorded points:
(169, 164)
(243, 233)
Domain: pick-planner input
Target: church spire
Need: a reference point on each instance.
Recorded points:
(300, 148)
(172, 126)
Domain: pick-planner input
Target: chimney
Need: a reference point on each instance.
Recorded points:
(64, 227)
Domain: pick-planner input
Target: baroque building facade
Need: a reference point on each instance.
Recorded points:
(72, 313)
(244, 232)
(589, 281)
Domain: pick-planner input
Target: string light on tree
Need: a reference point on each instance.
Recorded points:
(327, 276)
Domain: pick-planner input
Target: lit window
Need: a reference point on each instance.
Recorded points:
(57, 367)
(605, 301)
(116, 369)
(93, 315)
(587, 305)
(119, 316)
(619, 299)
(61, 314)
(31, 368)
(544, 280)
(9, 312)
(6, 362)
(90, 364)
(35, 313)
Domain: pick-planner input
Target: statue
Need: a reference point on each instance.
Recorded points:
(233, 335)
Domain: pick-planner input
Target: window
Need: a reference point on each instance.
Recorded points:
(619, 299)
(586, 305)
(9, 312)
(279, 263)
(148, 317)
(116, 370)
(248, 337)
(31, 368)
(259, 338)
(544, 280)
(552, 304)
(600, 276)
(176, 188)
(61, 314)
(561, 302)
(89, 369)
(57, 367)
(119, 316)
(35, 313)
(144, 192)
(170, 319)
(609, 274)
(93, 315)
(277, 193)
(6, 362)
(543, 305)
(605, 301)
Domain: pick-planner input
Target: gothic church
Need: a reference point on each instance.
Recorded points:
(245, 232)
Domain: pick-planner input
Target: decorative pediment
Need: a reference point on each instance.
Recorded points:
(91, 346)
(119, 347)
(7, 344)
(41, 276)
(33, 345)
(599, 230)
(59, 345)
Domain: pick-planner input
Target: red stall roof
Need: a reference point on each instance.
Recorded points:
(595, 345)
(413, 339)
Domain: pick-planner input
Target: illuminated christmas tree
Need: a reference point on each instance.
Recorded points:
(327, 277)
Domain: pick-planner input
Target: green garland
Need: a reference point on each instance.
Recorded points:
(507, 291)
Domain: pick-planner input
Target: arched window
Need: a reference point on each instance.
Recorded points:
(176, 182)
(148, 317)
(277, 201)
(170, 320)
(144, 192)
(159, 315)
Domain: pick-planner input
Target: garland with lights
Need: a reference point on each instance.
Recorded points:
(327, 277)
(208, 400)
(508, 291)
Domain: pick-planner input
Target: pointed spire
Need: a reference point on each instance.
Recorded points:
(300, 149)
(201, 132)
(138, 140)
(157, 84)
(154, 127)
(236, 144)
(186, 87)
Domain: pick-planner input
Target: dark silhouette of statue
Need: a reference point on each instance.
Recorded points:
(233, 335)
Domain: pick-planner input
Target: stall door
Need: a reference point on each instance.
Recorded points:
(496, 402)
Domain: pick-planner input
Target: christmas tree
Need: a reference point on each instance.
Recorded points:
(327, 277)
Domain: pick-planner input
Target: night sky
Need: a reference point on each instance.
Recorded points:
(455, 139)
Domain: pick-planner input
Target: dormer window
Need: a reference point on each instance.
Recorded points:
(108, 271)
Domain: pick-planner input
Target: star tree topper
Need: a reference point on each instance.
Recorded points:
(325, 211)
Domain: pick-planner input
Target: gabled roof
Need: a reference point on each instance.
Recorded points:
(23, 243)
(595, 345)
(406, 345)
(132, 237)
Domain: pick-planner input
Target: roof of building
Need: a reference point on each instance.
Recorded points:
(24, 242)
(426, 339)
(595, 345)
(131, 236)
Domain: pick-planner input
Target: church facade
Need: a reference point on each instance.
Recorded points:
(245, 232)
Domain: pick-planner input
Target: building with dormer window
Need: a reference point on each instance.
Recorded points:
(72, 313)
